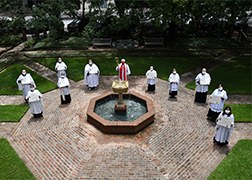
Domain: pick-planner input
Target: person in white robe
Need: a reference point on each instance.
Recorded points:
(91, 75)
(123, 70)
(174, 80)
(202, 82)
(64, 85)
(60, 66)
(222, 133)
(35, 106)
(151, 79)
(214, 108)
(24, 82)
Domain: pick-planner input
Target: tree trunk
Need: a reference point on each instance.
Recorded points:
(24, 34)
(36, 33)
(231, 29)
(173, 31)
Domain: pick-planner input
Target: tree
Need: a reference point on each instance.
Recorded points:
(15, 11)
(51, 11)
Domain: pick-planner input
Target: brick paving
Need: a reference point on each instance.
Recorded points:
(178, 145)
(62, 145)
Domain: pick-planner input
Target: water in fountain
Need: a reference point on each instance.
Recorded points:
(106, 108)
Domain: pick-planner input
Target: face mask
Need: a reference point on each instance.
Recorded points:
(122, 63)
(151, 69)
(24, 74)
(90, 64)
(174, 72)
(62, 76)
(60, 61)
(32, 89)
(203, 72)
(220, 89)
(227, 111)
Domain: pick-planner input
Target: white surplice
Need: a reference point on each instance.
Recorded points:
(92, 80)
(35, 107)
(222, 134)
(25, 87)
(218, 107)
(60, 71)
(173, 86)
(152, 81)
(201, 88)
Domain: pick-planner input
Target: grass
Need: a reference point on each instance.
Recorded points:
(235, 76)
(242, 112)
(9, 76)
(237, 164)
(72, 42)
(11, 166)
(138, 65)
(7, 114)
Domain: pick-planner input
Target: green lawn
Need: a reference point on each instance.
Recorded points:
(11, 166)
(9, 76)
(237, 164)
(235, 76)
(138, 65)
(8, 115)
(72, 42)
(242, 112)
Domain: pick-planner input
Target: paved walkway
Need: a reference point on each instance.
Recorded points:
(62, 145)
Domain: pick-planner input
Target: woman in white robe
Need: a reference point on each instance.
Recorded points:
(64, 90)
(201, 89)
(91, 79)
(215, 109)
(222, 133)
(25, 87)
(174, 80)
(35, 106)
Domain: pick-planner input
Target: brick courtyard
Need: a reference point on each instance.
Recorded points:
(63, 145)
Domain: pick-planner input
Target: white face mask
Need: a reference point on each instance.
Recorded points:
(90, 63)
(227, 111)
(220, 88)
(151, 69)
(60, 61)
(32, 89)
(203, 72)
(24, 73)
(62, 76)
(174, 72)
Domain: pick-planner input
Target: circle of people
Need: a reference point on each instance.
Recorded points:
(224, 118)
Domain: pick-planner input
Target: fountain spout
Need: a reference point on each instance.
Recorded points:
(120, 87)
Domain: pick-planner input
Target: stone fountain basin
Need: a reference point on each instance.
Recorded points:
(120, 127)
(123, 88)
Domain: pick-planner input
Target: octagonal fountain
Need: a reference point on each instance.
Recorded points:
(139, 114)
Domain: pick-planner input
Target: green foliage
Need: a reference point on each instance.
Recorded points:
(9, 76)
(237, 164)
(235, 76)
(29, 43)
(242, 112)
(11, 166)
(138, 65)
(10, 40)
(8, 115)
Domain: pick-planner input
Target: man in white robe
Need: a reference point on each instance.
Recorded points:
(35, 105)
(215, 109)
(151, 79)
(174, 80)
(24, 82)
(202, 81)
(222, 133)
(91, 75)
(64, 85)
(124, 70)
(60, 66)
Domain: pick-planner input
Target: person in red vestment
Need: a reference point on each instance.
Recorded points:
(124, 70)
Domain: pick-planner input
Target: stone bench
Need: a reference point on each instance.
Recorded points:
(102, 42)
(153, 41)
